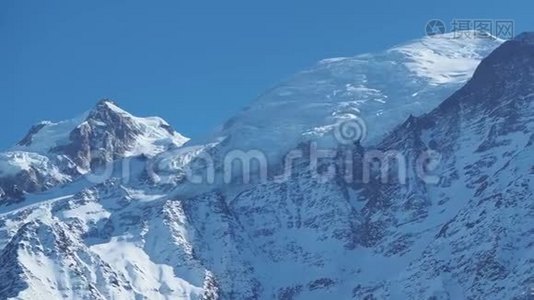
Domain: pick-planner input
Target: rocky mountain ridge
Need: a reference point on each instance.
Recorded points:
(465, 235)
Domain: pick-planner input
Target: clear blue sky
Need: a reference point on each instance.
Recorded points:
(194, 63)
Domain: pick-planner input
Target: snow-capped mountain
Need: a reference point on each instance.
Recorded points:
(384, 88)
(462, 236)
(373, 92)
(469, 235)
(56, 153)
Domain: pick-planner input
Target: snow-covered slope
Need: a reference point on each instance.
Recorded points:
(106, 121)
(469, 235)
(465, 236)
(55, 153)
(462, 236)
(383, 89)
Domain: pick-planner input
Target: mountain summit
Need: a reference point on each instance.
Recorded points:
(381, 88)
(57, 152)
(464, 235)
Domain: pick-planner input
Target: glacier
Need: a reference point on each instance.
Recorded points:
(383, 89)
(463, 237)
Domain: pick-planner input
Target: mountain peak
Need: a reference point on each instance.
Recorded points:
(76, 146)
(108, 105)
(107, 119)
(105, 101)
(382, 89)
(447, 58)
(525, 37)
(510, 63)
(113, 133)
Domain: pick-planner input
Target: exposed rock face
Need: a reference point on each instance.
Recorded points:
(460, 237)
(104, 136)
(482, 133)
(56, 153)
(465, 234)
